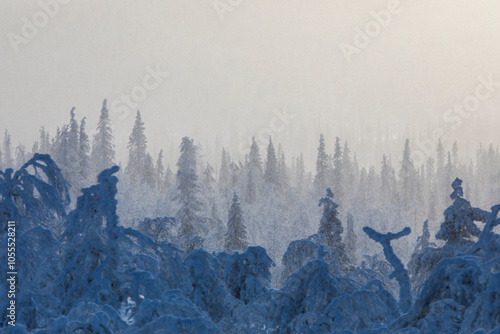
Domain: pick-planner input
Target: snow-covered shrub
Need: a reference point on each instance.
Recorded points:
(31, 200)
(369, 307)
(173, 312)
(457, 230)
(247, 274)
(208, 289)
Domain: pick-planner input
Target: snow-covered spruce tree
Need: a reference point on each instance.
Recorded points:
(209, 178)
(330, 227)
(283, 179)
(103, 149)
(441, 183)
(351, 239)
(34, 149)
(271, 171)
(236, 235)
(348, 168)
(169, 178)
(160, 172)
(235, 172)
(68, 154)
(253, 173)
(254, 159)
(424, 250)
(107, 266)
(400, 273)
(388, 181)
(188, 188)
(224, 169)
(460, 294)
(84, 152)
(137, 152)
(44, 141)
(323, 167)
(407, 177)
(300, 175)
(73, 135)
(8, 162)
(423, 240)
(90, 239)
(458, 226)
(457, 230)
(149, 173)
(59, 148)
(338, 172)
(251, 189)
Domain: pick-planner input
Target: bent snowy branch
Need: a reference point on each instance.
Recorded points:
(400, 273)
(486, 238)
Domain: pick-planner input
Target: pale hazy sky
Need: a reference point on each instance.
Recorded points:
(228, 77)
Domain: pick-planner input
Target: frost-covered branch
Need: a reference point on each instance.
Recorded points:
(400, 273)
(487, 234)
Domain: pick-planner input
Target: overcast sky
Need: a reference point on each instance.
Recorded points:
(233, 69)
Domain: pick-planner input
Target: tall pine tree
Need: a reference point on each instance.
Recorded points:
(103, 149)
(351, 239)
(84, 151)
(322, 166)
(188, 188)
(224, 169)
(236, 232)
(137, 154)
(338, 172)
(271, 171)
(254, 159)
(160, 172)
(8, 162)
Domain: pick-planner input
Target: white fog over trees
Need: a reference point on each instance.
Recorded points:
(257, 245)
(249, 167)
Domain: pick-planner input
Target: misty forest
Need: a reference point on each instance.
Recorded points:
(258, 245)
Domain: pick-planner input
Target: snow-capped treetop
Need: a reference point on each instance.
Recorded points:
(330, 225)
(459, 225)
(34, 199)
